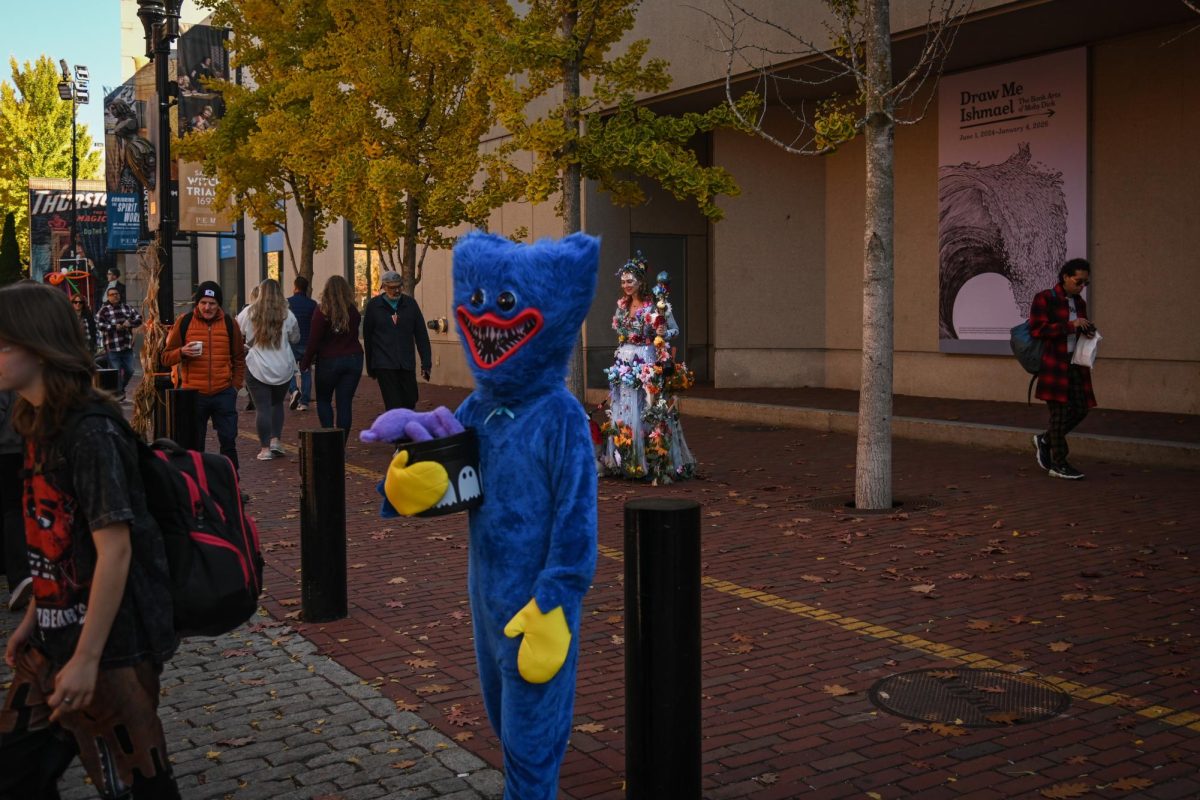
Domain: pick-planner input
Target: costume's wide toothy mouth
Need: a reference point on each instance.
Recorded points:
(494, 339)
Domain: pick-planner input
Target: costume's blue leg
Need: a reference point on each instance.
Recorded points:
(487, 659)
(537, 725)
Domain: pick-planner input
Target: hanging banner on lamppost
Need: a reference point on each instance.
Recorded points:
(130, 160)
(1012, 192)
(203, 61)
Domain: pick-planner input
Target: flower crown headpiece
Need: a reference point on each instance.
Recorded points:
(635, 266)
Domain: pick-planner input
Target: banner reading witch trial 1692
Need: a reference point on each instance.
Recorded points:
(1012, 192)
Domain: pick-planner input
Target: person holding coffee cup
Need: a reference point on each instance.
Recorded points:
(207, 353)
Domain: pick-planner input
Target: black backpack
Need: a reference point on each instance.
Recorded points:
(1028, 351)
(211, 543)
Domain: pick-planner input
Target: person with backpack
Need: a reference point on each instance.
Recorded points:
(302, 307)
(269, 327)
(12, 556)
(87, 656)
(1058, 318)
(207, 350)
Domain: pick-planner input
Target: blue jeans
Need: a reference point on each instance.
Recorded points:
(305, 379)
(338, 377)
(222, 408)
(122, 361)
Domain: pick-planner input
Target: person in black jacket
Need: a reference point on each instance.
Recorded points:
(392, 324)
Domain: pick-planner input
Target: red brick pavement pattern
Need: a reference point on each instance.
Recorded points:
(1107, 565)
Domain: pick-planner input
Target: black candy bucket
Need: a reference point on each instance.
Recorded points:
(459, 454)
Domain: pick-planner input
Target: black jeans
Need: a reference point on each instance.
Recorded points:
(398, 387)
(1064, 417)
(16, 557)
(337, 380)
(222, 409)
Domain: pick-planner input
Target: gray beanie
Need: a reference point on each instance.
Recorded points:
(391, 277)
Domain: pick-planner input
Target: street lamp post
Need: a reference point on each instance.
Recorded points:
(160, 20)
(74, 88)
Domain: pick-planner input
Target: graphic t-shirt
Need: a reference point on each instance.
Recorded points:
(83, 485)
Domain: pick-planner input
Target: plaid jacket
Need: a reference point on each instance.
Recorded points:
(1049, 319)
(117, 339)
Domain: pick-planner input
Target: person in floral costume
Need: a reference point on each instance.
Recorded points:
(643, 438)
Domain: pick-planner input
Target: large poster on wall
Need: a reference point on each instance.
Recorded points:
(203, 60)
(50, 214)
(1012, 192)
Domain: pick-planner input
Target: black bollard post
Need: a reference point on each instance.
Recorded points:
(662, 649)
(181, 418)
(323, 524)
(108, 380)
(160, 422)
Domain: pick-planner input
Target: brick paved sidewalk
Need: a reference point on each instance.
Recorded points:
(1088, 585)
(260, 714)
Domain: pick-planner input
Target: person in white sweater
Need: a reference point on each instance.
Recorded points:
(270, 329)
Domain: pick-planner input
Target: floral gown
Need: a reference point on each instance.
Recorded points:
(643, 438)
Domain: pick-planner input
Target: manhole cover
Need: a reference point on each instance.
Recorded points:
(972, 698)
(844, 504)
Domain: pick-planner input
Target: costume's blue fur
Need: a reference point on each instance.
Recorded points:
(534, 536)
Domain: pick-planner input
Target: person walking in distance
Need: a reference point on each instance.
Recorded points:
(206, 350)
(116, 321)
(269, 327)
(302, 307)
(1058, 317)
(87, 656)
(87, 321)
(333, 344)
(392, 327)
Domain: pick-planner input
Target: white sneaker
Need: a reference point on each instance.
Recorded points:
(20, 595)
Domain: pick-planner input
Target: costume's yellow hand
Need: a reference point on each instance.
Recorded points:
(414, 489)
(544, 648)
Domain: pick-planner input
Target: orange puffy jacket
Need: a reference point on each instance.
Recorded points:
(221, 365)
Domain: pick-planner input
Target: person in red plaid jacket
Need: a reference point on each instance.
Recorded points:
(1058, 317)
(116, 320)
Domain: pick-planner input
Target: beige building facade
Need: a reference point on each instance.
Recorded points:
(771, 295)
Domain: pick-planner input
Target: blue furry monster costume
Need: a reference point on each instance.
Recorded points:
(533, 539)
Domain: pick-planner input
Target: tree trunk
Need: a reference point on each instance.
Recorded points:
(408, 264)
(873, 468)
(308, 223)
(572, 184)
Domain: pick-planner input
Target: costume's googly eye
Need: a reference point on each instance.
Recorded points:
(477, 298)
(507, 301)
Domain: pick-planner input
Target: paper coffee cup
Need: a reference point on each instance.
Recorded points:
(198, 348)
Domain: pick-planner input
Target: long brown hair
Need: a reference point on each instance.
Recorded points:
(40, 319)
(643, 294)
(336, 302)
(267, 315)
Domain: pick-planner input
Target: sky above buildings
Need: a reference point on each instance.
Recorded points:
(81, 31)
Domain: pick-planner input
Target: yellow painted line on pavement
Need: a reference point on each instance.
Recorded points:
(1079, 691)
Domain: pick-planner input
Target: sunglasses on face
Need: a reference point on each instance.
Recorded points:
(76, 302)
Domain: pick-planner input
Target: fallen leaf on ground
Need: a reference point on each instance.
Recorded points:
(947, 730)
(455, 715)
(1077, 760)
(923, 588)
(238, 742)
(589, 727)
(291, 601)
(421, 663)
(913, 727)
(1174, 672)
(980, 625)
(1004, 717)
(1060, 647)
(464, 736)
(921, 764)
(397, 580)
(740, 637)
(993, 689)
(837, 690)
(1065, 791)
(959, 576)
(432, 688)
(943, 674)
(1131, 783)
(404, 705)
(814, 579)
(767, 778)
(1071, 596)
(403, 764)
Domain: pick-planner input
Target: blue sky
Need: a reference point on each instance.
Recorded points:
(81, 31)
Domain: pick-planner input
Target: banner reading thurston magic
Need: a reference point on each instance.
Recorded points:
(50, 215)
(1012, 192)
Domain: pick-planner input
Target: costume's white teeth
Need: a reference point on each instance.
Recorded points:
(493, 343)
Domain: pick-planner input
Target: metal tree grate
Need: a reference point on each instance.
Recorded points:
(971, 698)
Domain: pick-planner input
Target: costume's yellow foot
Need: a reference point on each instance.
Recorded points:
(544, 647)
(416, 488)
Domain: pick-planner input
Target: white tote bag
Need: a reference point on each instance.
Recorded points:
(1085, 350)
